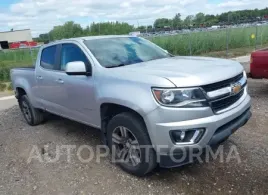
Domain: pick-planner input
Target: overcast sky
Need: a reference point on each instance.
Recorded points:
(41, 15)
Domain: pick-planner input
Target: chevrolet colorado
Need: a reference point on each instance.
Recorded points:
(137, 94)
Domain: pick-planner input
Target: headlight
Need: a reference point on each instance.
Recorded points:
(244, 74)
(188, 97)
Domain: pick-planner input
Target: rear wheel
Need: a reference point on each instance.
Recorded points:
(33, 116)
(130, 144)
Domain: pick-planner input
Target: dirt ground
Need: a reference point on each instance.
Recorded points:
(74, 178)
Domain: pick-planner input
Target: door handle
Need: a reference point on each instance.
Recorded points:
(39, 77)
(60, 81)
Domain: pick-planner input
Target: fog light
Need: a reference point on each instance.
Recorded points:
(182, 136)
(189, 136)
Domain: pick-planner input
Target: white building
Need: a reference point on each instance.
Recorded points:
(16, 36)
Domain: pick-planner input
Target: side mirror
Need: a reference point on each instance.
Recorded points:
(76, 68)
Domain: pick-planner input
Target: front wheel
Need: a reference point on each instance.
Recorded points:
(130, 144)
(33, 116)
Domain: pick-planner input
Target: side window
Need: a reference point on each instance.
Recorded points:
(48, 57)
(71, 53)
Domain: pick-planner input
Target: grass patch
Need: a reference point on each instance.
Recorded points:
(232, 53)
(3, 86)
(13, 59)
(6, 87)
(6, 67)
(198, 43)
(9, 87)
(22, 55)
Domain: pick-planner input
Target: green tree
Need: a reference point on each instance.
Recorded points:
(162, 23)
(188, 21)
(176, 21)
(199, 19)
(141, 28)
(211, 20)
(68, 30)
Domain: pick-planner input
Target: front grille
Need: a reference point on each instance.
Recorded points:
(223, 103)
(222, 84)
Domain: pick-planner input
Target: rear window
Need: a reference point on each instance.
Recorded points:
(48, 58)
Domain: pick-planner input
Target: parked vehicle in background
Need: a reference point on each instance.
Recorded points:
(138, 95)
(22, 44)
(259, 64)
(137, 33)
(215, 27)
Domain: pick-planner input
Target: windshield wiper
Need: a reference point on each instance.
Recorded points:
(118, 65)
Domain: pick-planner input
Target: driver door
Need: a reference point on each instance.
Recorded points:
(79, 95)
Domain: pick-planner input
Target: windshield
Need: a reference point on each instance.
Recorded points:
(120, 51)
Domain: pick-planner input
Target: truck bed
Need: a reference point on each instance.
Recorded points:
(23, 76)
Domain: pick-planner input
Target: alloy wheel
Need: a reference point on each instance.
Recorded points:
(26, 111)
(127, 148)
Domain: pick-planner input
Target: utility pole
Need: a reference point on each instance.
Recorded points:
(256, 37)
(48, 37)
(227, 41)
(138, 24)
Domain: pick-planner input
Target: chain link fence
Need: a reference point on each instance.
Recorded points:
(13, 58)
(225, 42)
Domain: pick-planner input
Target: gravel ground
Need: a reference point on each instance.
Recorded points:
(6, 93)
(246, 66)
(67, 178)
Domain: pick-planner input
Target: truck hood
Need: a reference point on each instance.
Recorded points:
(187, 71)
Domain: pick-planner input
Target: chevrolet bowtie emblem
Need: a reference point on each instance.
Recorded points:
(235, 88)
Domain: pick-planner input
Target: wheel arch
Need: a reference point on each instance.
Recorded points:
(20, 92)
(109, 110)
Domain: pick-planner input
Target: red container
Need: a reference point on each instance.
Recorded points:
(22, 44)
(259, 64)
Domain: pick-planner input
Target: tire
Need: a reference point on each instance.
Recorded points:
(33, 116)
(136, 129)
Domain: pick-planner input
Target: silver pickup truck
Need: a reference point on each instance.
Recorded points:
(150, 106)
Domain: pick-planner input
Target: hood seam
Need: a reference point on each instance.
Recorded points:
(170, 81)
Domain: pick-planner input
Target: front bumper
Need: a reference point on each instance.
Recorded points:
(221, 134)
(217, 127)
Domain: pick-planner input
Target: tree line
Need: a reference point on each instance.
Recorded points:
(71, 29)
(201, 19)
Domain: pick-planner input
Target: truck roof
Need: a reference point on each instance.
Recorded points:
(87, 38)
(99, 37)
(90, 38)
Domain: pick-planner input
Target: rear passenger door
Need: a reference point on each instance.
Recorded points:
(49, 92)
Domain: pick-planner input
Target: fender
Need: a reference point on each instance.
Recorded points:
(23, 83)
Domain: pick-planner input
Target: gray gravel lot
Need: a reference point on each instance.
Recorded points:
(5, 104)
(67, 178)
